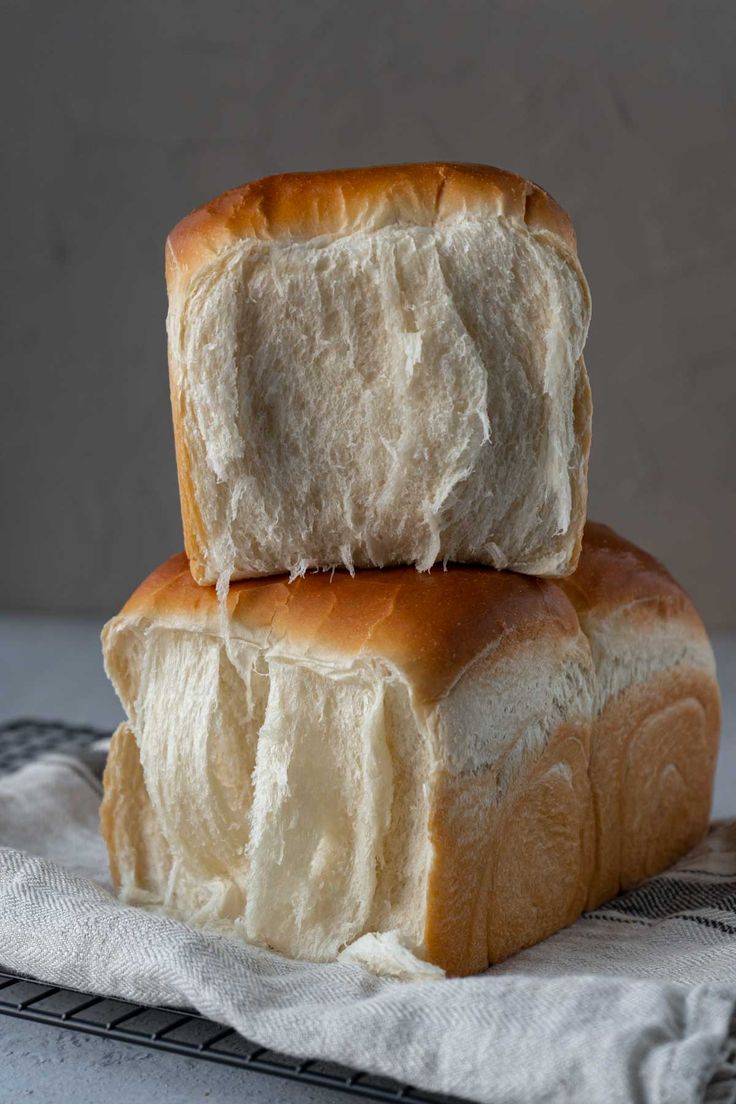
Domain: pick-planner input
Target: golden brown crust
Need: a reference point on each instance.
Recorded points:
(507, 874)
(297, 207)
(600, 811)
(431, 625)
(300, 206)
(583, 415)
(613, 574)
(652, 765)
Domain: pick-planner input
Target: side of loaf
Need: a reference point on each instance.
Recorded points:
(462, 760)
(379, 366)
(657, 711)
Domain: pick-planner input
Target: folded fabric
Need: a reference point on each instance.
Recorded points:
(635, 1002)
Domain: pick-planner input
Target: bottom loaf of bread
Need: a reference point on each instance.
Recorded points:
(412, 771)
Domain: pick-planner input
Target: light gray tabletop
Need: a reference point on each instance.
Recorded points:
(50, 668)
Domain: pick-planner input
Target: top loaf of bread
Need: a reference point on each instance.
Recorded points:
(379, 366)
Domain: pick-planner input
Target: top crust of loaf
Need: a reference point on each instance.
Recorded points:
(296, 207)
(430, 626)
(433, 626)
(614, 576)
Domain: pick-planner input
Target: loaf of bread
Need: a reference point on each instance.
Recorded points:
(449, 765)
(379, 366)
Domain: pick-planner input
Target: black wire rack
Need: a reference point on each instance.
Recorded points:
(177, 1031)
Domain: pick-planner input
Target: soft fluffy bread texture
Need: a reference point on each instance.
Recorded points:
(379, 366)
(458, 762)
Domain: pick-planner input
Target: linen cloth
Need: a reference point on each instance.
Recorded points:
(636, 1002)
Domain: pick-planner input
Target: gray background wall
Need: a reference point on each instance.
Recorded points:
(120, 117)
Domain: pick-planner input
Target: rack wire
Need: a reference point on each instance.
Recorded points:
(178, 1031)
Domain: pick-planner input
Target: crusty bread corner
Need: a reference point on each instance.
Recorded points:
(615, 576)
(638, 621)
(296, 207)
